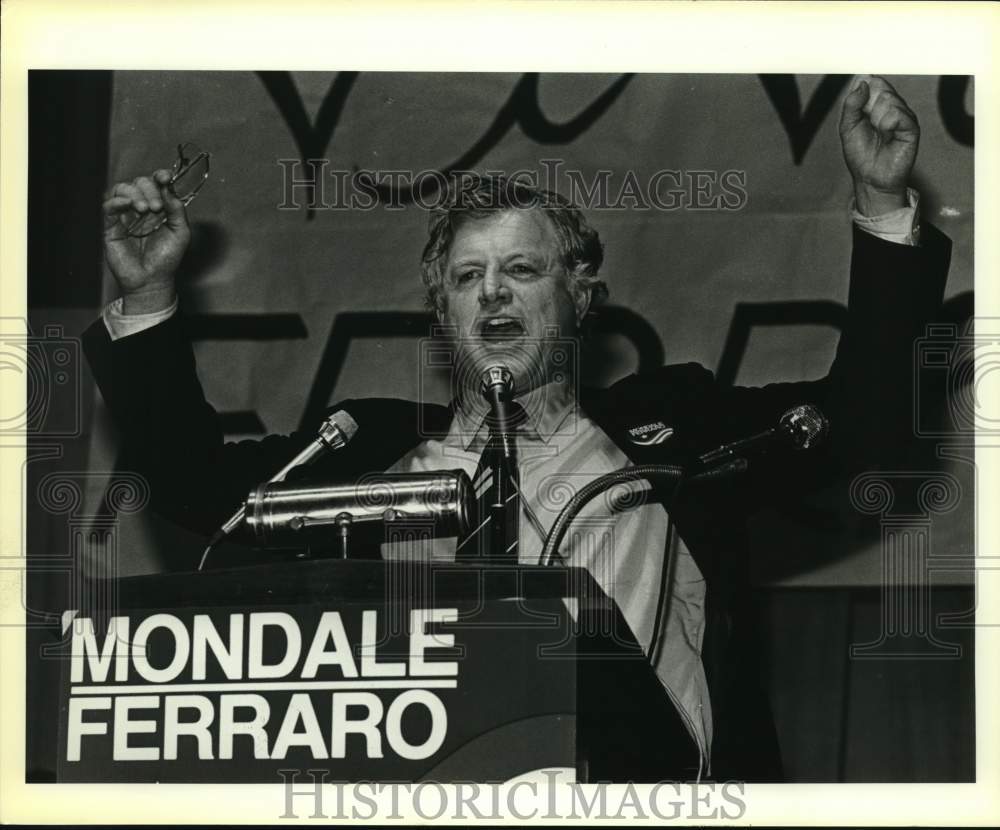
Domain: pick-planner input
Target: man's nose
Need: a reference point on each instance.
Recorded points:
(494, 287)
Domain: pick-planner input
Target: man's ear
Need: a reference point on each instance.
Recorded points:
(581, 299)
(440, 304)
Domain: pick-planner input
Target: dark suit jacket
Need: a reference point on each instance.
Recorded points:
(172, 435)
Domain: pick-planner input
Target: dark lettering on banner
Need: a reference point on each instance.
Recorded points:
(746, 316)
(802, 125)
(273, 326)
(521, 108)
(960, 125)
(611, 320)
(312, 139)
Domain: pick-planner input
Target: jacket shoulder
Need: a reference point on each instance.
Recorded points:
(676, 391)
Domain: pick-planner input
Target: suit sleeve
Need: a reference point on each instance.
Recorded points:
(868, 394)
(170, 433)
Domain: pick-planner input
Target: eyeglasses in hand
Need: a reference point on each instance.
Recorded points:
(188, 175)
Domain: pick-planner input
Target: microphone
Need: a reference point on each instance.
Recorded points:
(497, 382)
(498, 388)
(291, 513)
(800, 428)
(334, 433)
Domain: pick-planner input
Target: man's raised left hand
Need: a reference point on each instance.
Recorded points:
(879, 134)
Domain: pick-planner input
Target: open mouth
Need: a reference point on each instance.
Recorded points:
(501, 328)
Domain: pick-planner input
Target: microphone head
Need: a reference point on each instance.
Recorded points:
(497, 379)
(805, 426)
(339, 428)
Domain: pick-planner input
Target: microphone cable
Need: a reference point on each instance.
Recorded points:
(666, 573)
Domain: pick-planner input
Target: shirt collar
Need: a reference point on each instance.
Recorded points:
(548, 408)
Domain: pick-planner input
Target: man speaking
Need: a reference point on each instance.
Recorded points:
(511, 273)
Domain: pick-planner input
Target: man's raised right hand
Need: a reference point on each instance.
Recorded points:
(145, 268)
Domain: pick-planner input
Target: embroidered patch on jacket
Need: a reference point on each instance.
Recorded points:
(649, 435)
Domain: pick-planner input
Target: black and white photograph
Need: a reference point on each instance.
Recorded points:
(424, 429)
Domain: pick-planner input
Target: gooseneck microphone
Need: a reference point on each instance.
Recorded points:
(335, 432)
(800, 428)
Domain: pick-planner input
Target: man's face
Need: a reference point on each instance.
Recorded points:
(508, 297)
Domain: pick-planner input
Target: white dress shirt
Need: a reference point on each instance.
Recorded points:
(619, 538)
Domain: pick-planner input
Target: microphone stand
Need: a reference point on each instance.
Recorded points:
(650, 472)
(498, 388)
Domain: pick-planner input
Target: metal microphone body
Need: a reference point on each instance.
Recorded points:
(292, 513)
(800, 428)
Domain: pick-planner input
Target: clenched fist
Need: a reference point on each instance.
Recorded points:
(879, 134)
(145, 267)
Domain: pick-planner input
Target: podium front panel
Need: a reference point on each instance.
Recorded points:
(456, 689)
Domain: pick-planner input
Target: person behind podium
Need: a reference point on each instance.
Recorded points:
(512, 272)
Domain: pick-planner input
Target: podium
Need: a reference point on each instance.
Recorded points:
(371, 671)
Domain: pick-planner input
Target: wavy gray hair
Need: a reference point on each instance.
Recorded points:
(473, 197)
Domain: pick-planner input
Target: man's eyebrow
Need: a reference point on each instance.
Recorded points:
(471, 259)
(534, 256)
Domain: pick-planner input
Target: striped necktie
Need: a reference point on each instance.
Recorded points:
(494, 533)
